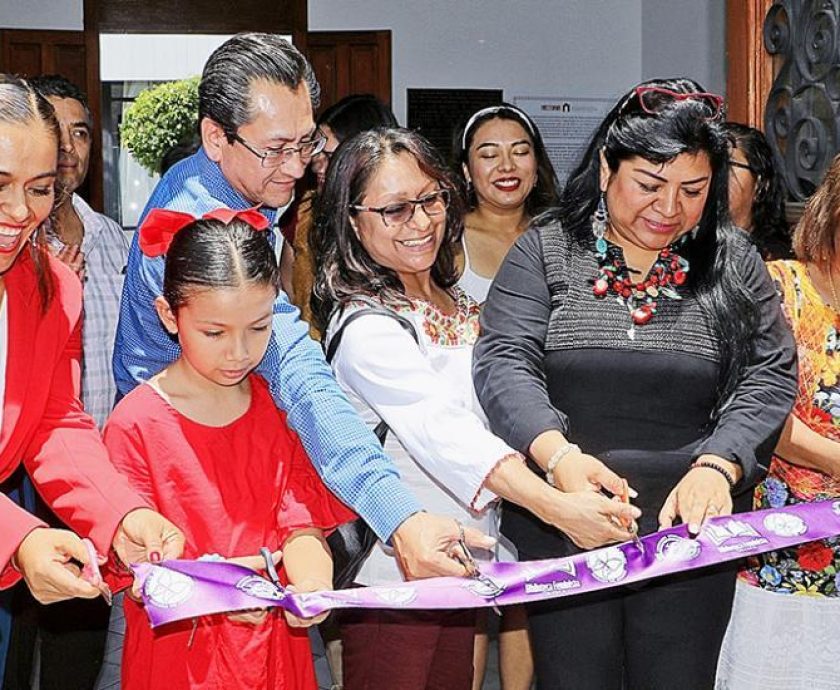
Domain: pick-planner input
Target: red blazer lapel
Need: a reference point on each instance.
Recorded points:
(23, 309)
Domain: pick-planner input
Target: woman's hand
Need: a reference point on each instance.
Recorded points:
(702, 493)
(47, 559)
(590, 519)
(147, 536)
(309, 585)
(578, 471)
(72, 256)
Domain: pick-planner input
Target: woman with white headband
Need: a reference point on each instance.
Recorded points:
(509, 180)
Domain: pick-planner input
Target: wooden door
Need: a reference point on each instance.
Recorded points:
(350, 62)
(32, 53)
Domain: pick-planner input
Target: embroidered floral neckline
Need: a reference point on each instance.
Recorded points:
(449, 330)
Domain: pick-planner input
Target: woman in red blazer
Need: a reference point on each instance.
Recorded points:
(43, 424)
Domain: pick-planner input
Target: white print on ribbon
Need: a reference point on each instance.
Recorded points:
(731, 529)
(607, 565)
(677, 549)
(532, 573)
(397, 596)
(785, 525)
(168, 589)
(484, 587)
(835, 507)
(256, 586)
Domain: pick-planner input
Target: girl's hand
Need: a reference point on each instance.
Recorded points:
(252, 616)
(309, 585)
(146, 536)
(701, 494)
(249, 617)
(256, 562)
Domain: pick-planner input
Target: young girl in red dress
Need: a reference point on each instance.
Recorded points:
(205, 444)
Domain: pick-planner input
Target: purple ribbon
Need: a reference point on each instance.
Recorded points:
(181, 589)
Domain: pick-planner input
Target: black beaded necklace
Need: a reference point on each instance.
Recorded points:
(668, 272)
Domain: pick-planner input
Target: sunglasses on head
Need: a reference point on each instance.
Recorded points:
(654, 99)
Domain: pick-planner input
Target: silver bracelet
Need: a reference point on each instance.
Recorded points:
(558, 455)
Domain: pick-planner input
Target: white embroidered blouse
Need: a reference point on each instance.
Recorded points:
(438, 436)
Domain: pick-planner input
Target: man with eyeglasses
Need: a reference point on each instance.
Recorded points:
(256, 101)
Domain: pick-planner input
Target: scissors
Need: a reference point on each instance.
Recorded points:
(628, 523)
(91, 574)
(464, 557)
(270, 570)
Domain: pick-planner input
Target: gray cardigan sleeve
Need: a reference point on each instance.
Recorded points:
(508, 358)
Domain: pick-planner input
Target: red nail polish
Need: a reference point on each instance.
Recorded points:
(154, 557)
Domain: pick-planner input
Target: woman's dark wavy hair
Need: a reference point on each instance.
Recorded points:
(357, 113)
(21, 104)
(716, 249)
(770, 230)
(544, 193)
(344, 269)
(208, 254)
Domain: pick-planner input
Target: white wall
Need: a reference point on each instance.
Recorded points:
(685, 38)
(526, 47)
(41, 14)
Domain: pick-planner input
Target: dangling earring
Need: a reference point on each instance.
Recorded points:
(599, 225)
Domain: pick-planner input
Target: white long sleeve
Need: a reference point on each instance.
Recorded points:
(427, 401)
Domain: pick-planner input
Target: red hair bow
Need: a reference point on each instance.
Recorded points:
(161, 225)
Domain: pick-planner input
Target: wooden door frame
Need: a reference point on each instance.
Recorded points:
(749, 73)
(164, 16)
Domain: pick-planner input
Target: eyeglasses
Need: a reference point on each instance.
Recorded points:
(654, 99)
(433, 204)
(274, 158)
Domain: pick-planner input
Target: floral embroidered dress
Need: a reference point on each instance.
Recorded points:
(812, 568)
(438, 436)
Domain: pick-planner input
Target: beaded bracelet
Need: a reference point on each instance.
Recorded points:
(714, 466)
(556, 457)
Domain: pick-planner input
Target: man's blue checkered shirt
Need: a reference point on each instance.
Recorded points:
(346, 454)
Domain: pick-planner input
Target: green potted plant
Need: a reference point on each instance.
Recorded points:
(160, 117)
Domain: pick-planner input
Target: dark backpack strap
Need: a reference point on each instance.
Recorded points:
(335, 340)
(381, 429)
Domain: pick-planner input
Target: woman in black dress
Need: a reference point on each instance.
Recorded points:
(635, 325)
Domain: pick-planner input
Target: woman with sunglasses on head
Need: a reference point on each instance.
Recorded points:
(756, 192)
(800, 648)
(639, 329)
(44, 426)
(508, 179)
(399, 334)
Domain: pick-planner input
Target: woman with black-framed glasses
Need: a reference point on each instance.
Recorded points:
(756, 192)
(638, 328)
(400, 335)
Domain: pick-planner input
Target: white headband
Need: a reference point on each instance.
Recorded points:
(521, 116)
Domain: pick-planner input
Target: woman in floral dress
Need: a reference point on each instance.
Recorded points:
(787, 606)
